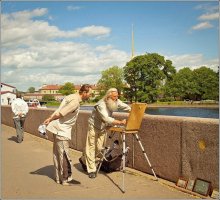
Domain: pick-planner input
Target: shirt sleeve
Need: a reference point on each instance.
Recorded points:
(13, 107)
(25, 108)
(70, 106)
(123, 106)
(103, 113)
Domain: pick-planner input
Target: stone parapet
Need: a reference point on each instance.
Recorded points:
(176, 146)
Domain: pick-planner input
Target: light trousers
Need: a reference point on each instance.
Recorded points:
(62, 162)
(94, 144)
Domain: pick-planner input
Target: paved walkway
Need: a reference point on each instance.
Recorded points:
(27, 172)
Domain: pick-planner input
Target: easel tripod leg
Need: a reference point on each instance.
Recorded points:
(123, 163)
(142, 148)
(103, 155)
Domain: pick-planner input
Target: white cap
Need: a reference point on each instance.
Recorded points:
(42, 129)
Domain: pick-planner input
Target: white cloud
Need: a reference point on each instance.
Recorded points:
(70, 8)
(193, 61)
(20, 29)
(209, 16)
(22, 15)
(202, 25)
(212, 13)
(207, 7)
(91, 31)
(104, 48)
(32, 57)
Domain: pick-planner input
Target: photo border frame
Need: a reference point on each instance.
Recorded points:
(181, 182)
(190, 184)
(195, 187)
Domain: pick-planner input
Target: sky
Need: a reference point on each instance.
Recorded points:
(55, 42)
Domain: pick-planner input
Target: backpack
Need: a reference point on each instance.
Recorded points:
(113, 158)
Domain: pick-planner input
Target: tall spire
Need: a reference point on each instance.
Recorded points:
(132, 42)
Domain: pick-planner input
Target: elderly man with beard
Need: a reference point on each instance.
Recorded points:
(99, 120)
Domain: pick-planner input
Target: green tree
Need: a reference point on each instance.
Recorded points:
(112, 77)
(207, 83)
(145, 75)
(48, 97)
(67, 88)
(182, 85)
(31, 89)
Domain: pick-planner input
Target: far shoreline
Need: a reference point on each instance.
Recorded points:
(182, 106)
(174, 106)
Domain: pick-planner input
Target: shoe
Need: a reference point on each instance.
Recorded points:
(70, 178)
(65, 183)
(83, 165)
(92, 175)
(57, 181)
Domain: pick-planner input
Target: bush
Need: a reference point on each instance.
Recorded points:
(166, 99)
(48, 97)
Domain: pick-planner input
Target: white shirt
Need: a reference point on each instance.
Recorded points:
(69, 109)
(19, 106)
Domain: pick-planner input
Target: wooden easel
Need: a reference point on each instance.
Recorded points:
(132, 127)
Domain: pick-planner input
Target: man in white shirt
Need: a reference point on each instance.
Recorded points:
(20, 109)
(60, 123)
(99, 120)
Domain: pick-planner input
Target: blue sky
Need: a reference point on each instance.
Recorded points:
(56, 41)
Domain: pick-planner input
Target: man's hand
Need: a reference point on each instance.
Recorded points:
(123, 122)
(47, 121)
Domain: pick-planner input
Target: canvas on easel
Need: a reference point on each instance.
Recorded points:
(136, 116)
(134, 119)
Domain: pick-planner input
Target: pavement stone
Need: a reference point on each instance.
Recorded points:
(27, 173)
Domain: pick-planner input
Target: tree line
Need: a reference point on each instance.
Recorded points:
(150, 77)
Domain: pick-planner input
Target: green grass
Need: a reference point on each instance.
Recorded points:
(53, 103)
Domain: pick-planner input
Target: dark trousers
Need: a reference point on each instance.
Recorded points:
(19, 126)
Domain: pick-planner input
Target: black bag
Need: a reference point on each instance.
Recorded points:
(113, 158)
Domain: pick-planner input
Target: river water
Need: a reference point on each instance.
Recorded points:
(178, 111)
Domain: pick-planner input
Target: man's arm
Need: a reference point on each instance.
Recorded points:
(101, 109)
(123, 106)
(52, 117)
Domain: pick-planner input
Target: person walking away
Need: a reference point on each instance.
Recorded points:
(60, 123)
(20, 109)
(99, 120)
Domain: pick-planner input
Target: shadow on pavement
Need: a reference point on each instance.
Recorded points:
(74, 182)
(45, 171)
(78, 166)
(13, 138)
(106, 174)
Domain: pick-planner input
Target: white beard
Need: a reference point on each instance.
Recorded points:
(112, 105)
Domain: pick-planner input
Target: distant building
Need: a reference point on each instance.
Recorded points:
(8, 94)
(45, 90)
(54, 91)
(39, 96)
(50, 89)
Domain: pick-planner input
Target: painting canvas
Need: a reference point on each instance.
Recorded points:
(134, 119)
(202, 187)
(182, 182)
(190, 184)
